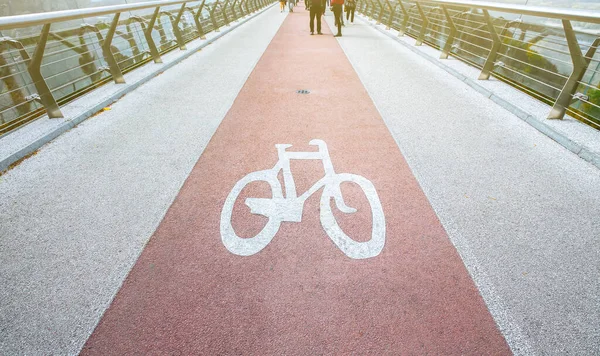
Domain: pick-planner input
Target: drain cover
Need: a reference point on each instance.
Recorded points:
(303, 91)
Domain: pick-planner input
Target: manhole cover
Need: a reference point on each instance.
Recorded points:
(303, 91)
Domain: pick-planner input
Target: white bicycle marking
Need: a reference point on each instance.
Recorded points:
(289, 208)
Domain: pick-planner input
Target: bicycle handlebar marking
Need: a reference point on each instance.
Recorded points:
(289, 208)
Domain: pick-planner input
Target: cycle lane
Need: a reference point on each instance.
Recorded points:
(300, 294)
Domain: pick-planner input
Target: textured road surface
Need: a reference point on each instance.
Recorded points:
(300, 295)
(521, 210)
(75, 217)
(514, 255)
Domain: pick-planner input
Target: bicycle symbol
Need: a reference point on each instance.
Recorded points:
(279, 209)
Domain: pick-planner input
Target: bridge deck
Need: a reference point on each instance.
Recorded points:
(490, 227)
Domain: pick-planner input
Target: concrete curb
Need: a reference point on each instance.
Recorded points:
(580, 150)
(6, 162)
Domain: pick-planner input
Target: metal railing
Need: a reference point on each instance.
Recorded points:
(42, 68)
(536, 49)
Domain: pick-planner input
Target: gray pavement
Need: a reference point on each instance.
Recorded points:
(521, 209)
(74, 217)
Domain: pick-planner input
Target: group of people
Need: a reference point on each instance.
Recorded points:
(317, 10)
(291, 4)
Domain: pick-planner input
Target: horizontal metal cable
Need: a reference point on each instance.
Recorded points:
(439, 33)
(66, 58)
(474, 35)
(14, 74)
(589, 69)
(534, 66)
(545, 39)
(16, 89)
(13, 64)
(537, 53)
(471, 53)
(75, 81)
(531, 91)
(588, 85)
(472, 44)
(71, 49)
(472, 28)
(14, 106)
(69, 70)
(530, 77)
(132, 57)
(440, 24)
(582, 117)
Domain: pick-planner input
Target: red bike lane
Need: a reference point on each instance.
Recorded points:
(301, 294)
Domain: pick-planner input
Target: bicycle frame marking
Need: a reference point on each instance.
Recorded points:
(289, 208)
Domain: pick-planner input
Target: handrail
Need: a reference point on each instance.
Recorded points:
(20, 21)
(34, 89)
(537, 11)
(512, 58)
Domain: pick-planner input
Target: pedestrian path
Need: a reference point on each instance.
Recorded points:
(203, 285)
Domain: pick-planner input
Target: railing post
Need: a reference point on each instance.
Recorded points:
(243, 8)
(406, 16)
(212, 16)
(424, 25)
(380, 16)
(235, 16)
(580, 65)
(149, 40)
(113, 66)
(224, 12)
(197, 21)
(450, 40)
(491, 59)
(371, 9)
(34, 69)
(176, 31)
(392, 15)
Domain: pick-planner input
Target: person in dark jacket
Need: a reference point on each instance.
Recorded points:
(350, 6)
(316, 9)
(337, 14)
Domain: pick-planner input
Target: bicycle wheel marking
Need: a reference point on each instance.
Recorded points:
(289, 208)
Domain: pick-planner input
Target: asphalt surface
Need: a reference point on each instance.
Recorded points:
(521, 209)
(491, 230)
(75, 216)
(191, 293)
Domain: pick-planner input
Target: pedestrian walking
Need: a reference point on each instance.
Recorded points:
(316, 10)
(291, 4)
(338, 15)
(350, 6)
(282, 5)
